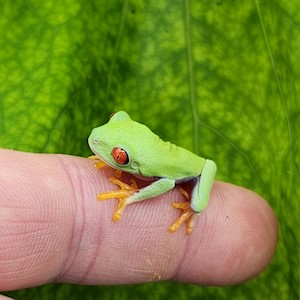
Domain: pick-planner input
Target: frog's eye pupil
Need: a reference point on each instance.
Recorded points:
(120, 156)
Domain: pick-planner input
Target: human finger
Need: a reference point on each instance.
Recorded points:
(52, 229)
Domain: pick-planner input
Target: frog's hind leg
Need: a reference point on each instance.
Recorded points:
(201, 191)
(187, 215)
(198, 200)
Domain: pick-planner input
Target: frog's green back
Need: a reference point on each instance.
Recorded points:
(149, 156)
(169, 160)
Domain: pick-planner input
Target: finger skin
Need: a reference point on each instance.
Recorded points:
(2, 297)
(52, 229)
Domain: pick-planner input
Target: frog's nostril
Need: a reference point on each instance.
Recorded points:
(96, 141)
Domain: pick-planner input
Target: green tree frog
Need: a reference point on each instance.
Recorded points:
(132, 147)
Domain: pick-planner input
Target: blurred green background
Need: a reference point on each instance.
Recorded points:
(220, 78)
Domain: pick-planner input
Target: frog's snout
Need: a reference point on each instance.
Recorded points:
(93, 139)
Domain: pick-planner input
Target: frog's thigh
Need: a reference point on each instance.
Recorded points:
(201, 191)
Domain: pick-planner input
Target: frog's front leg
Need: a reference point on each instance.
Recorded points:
(198, 200)
(131, 194)
(99, 164)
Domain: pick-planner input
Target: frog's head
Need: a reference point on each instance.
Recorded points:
(122, 143)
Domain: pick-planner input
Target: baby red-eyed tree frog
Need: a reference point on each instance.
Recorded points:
(132, 147)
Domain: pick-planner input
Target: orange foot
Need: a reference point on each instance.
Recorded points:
(99, 163)
(124, 192)
(188, 215)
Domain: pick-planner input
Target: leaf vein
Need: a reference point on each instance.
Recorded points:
(116, 48)
(188, 39)
(241, 152)
(270, 53)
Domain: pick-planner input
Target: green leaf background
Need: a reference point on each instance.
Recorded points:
(220, 78)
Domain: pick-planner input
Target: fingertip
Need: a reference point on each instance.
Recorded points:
(234, 240)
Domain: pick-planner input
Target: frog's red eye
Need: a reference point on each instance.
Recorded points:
(120, 156)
